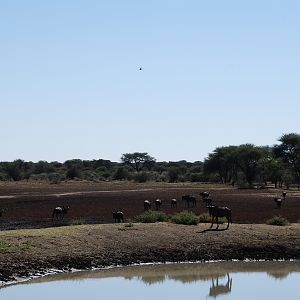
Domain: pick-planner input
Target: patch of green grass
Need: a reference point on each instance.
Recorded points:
(278, 221)
(77, 222)
(185, 217)
(204, 218)
(128, 224)
(151, 216)
(5, 247)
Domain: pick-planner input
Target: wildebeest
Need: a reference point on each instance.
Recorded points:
(283, 195)
(158, 204)
(278, 202)
(59, 212)
(220, 289)
(173, 202)
(216, 212)
(147, 205)
(189, 199)
(204, 195)
(205, 198)
(118, 216)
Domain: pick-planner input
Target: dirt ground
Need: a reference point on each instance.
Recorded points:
(34, 251)
(30, 205)
(24, 252)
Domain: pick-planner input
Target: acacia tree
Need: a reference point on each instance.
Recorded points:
(248, 157)
(289, 151)
(138, 160)
(223, 162)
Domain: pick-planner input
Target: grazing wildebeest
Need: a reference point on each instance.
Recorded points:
(189, 199)
(158, 204)
(216, 212)
(59, 212)
(147, 205)
(118, 216)
(278, 202)
(173, 202)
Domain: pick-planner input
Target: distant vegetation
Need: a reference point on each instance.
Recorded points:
(185, 217)
(278, 221)
(244, 166)
(152, 217)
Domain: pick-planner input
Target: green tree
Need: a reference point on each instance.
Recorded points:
(223, 162)
(173, 174)
(248, 156)
(138, 160)
(289, 151)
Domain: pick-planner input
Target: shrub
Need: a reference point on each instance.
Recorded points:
(278, 221)
(185, 217)
(204, 218)
(151, 216)
(128, 224)
(141, 177)
(77, 222)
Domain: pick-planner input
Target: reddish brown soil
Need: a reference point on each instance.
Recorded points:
(27, 205)
(30, 205)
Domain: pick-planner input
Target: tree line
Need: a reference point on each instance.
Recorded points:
(244, 165)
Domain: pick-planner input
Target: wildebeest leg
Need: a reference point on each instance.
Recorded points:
(227, 223)
(212, 222)
(217, 222)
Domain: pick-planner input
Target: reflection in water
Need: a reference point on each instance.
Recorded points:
(176, 281)
(278, 275)
(218, 288)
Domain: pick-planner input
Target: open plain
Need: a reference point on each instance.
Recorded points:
(28, 248)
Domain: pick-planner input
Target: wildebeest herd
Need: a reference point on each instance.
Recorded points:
(215, 211)
(189, 201)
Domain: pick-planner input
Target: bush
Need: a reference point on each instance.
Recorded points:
(278, 221)
(77, 222)
(197, 177)
(151, 216)
(54, 178)
(185, 217)
(204, 218)
(141, 177)
(121, 173)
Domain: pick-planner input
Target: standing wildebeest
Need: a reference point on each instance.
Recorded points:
(173, 202)
(278, 202)
(147, 205)
(118, 216)
(283, 195)
(216, 212)
(189, 199)
(158, 204)
(59, 211)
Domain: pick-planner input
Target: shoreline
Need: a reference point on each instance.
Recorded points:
(115, 268)
(27, 253)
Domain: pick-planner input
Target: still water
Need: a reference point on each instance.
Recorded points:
(222, 280)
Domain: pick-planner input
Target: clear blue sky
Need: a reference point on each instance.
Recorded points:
(215, 73)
